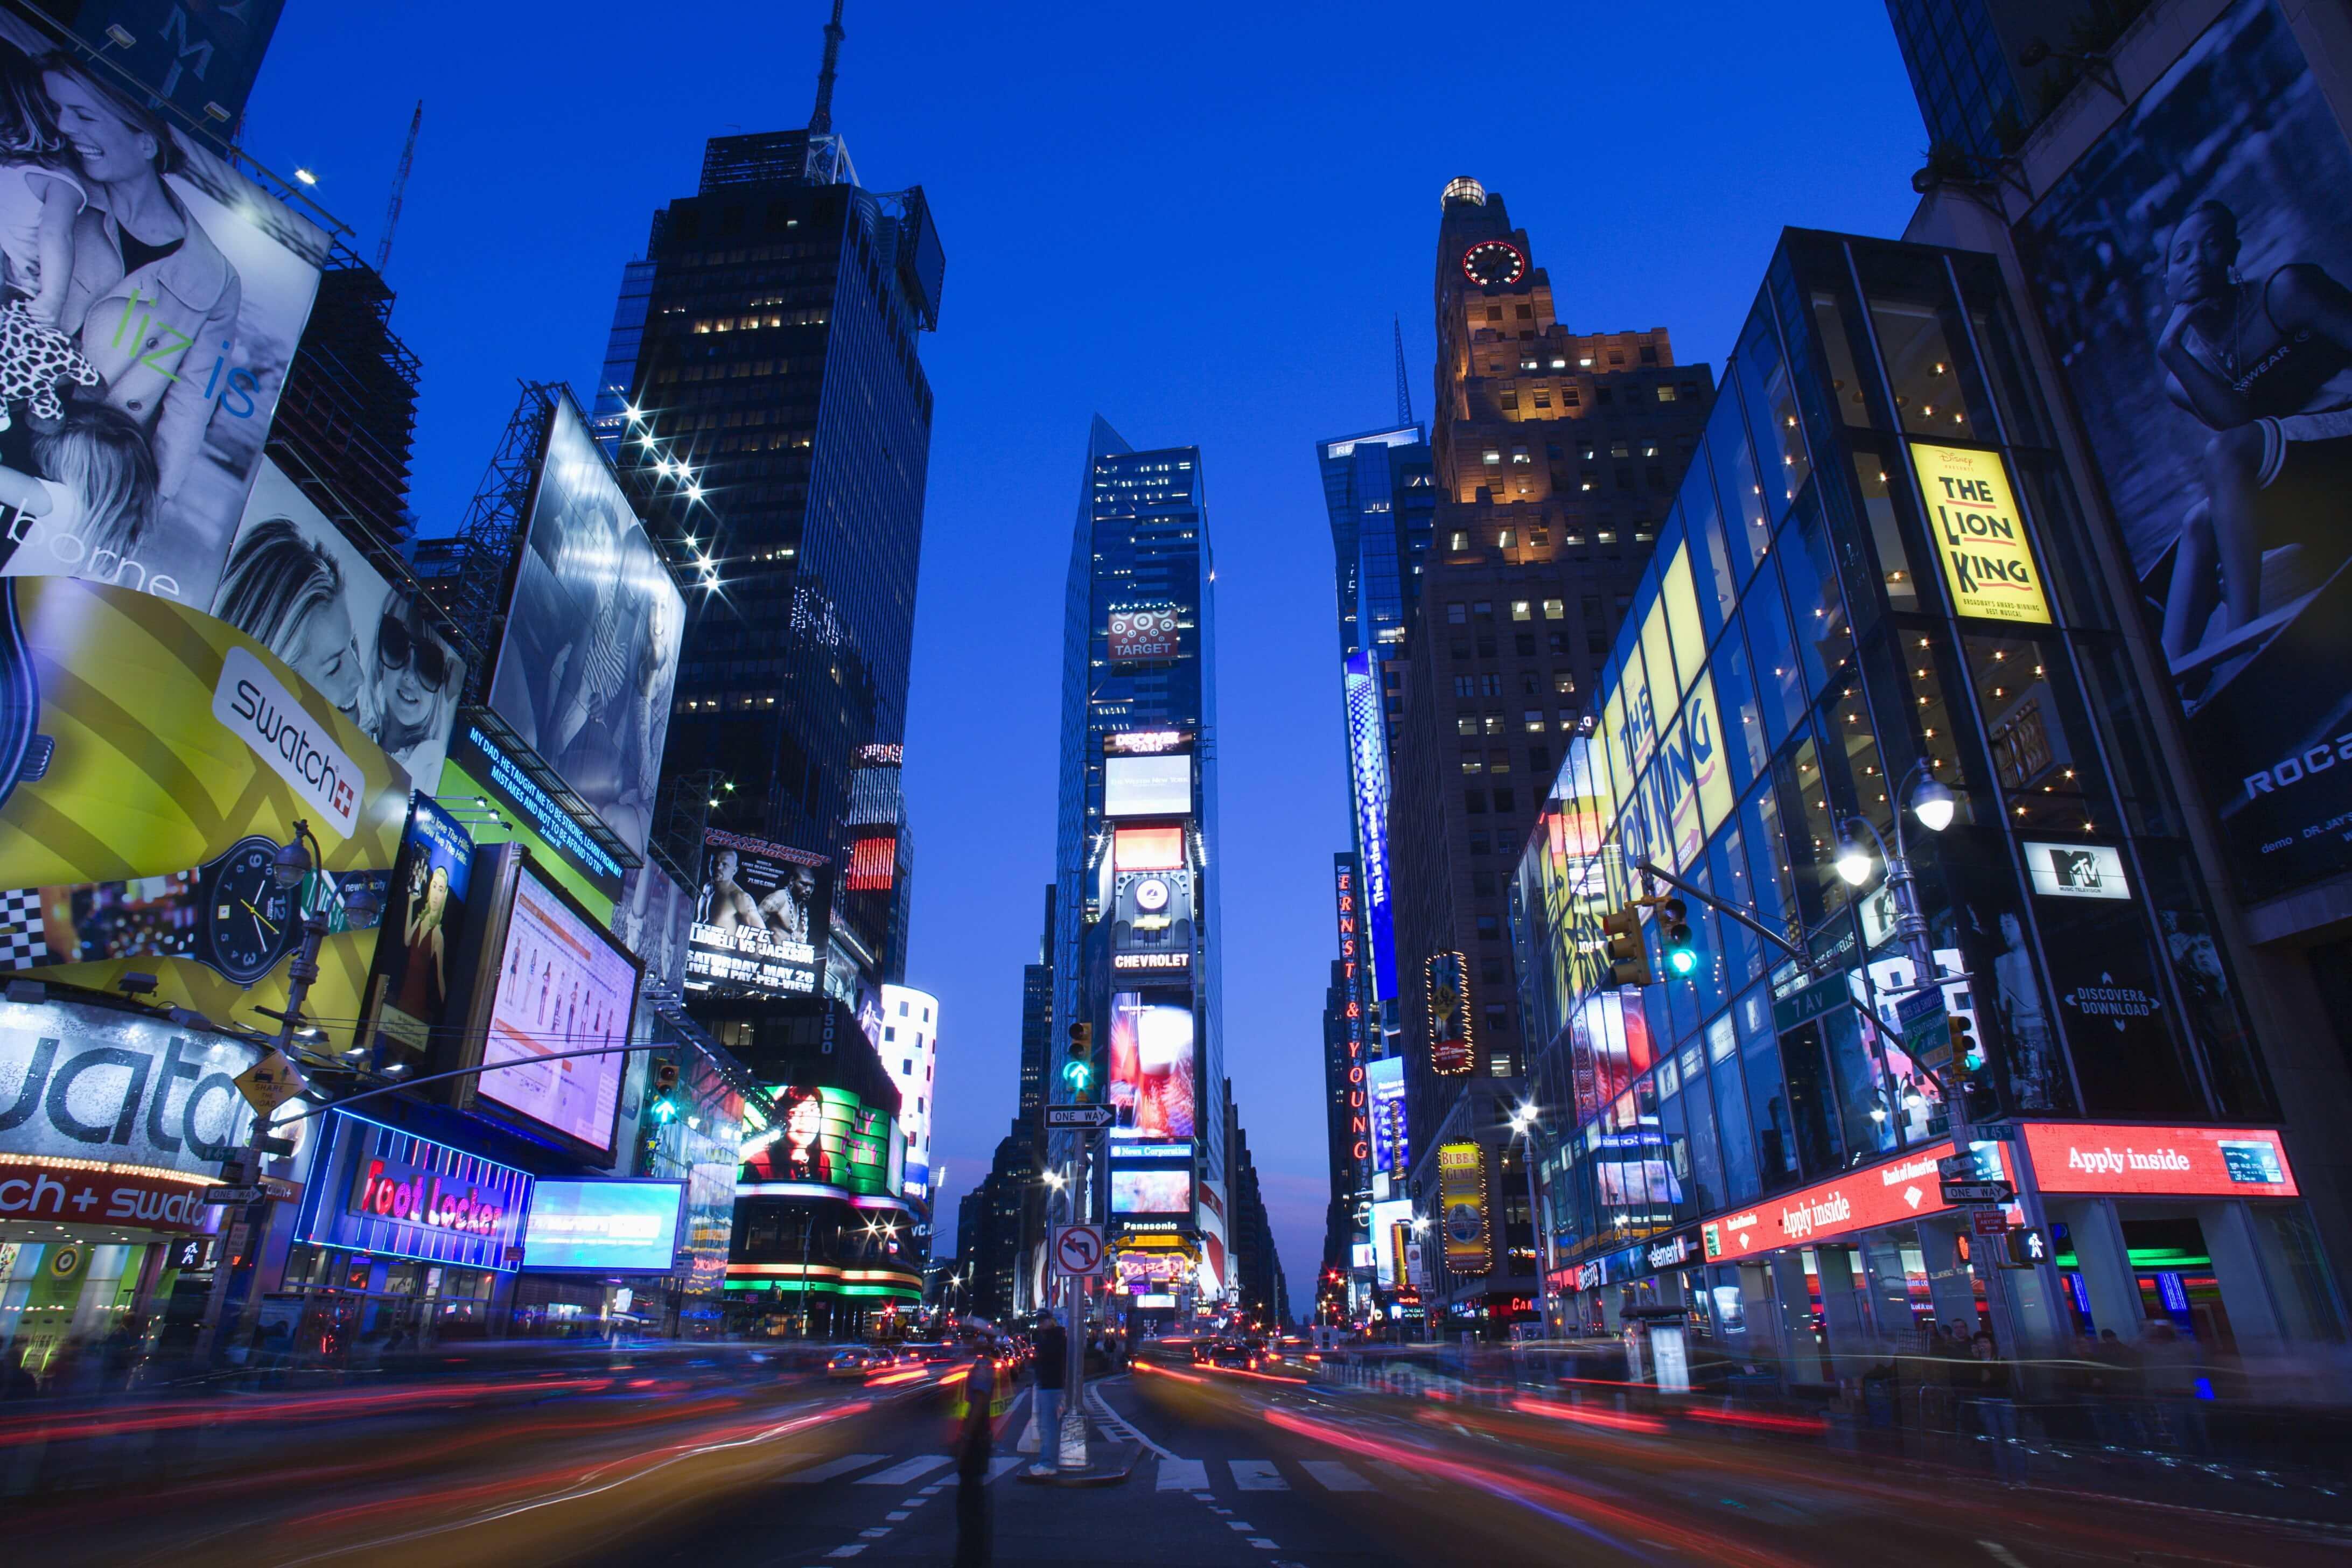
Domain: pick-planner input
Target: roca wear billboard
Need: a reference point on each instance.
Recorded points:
(2195, 271)
(153, 760)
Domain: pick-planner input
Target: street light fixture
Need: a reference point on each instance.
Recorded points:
(1523, 1126)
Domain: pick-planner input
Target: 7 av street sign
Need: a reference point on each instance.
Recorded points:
(1093, 1118)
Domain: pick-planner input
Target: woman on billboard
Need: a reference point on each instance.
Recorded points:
(2262, 364)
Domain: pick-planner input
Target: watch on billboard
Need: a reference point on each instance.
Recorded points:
(2202, 295)
(1988, 564)
(1462, 1206)
(153, 760)
(1451, 1049)
(761, 920)
(585, 671)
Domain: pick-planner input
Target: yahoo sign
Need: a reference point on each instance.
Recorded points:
(381, 1190)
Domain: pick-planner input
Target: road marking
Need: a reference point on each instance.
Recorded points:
(1183, 1475)
(1263, 1544)
(998, 1466)
(1257, 1476)
(899, 1475)
(1392, 1471)
(895, 1515)
(1119, 1425)
(876, 1534)
(1335, 1476)
(830, 1468)
(1237, 1524)
(2000, 1554)
(852, 1550)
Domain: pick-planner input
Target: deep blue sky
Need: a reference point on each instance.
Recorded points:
(1196, 219)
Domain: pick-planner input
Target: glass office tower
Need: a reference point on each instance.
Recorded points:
(1135, 947)
(1874, 572)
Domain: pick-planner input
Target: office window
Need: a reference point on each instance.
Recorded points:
(1457, 615)
(1543, 397)
(1491, 971)
(1540, 760)
(1499, 761)
(1467, 725)
(1527, 312)
(1466, 686)
(1520, 454)
(1506, 801)
(1471, 760)
(1563, 683)
(1511, 401)
(1493, 313)
(1461, 542)
(1490, 685)
(1553, 609)
(1494, 723)
(1665, 393)
(1520, 610)
(1483, 609)
(1489, 928)
(1474, 801)
(1525, 643)
(1538, 537)
(1478, 842)
(1493, 454)
(1535, 721)
(1503, 538)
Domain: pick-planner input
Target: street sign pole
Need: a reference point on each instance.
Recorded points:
(1070, 1452)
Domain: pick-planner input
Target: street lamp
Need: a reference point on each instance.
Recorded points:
(1523, 1127)
(1933, 805)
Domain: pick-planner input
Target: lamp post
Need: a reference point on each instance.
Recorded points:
(1523, 1127)
(291, 870)
(1933, 804)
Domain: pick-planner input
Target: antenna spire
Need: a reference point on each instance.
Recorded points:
(821, 123)
(1404, 387)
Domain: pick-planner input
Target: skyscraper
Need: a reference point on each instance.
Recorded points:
(1135, 949)
(1986, 70)
(767, 342)
(1555, 457)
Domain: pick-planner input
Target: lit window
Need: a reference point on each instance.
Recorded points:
(1494, 455)
(1554, 609)
(1461, 542)
(1535, 721)
(1472, 761)
(1494, 723)
(1520, 609)
(1468, 726)
(1520, 454)
(1503, 540)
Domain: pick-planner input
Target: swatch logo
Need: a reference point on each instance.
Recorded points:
(272, 721)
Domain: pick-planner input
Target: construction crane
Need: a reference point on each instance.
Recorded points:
(399, 189)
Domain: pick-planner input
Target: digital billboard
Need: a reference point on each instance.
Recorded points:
(481, 768)
(591, 634)
(1150, 1190)
(1899, 1190)
(1159, 785)
(872, 863)
(761, 920)
(1392, 1230)
(653, 918)
(1147, 850)
(151, 362)
(2208, 1162)
(1149, 1074)
(1462, 1206)
(1144, 632)
(613, 1226)
(822, 1137)
(1392, 1150)
(153, 760)
(423, 920)
(562, 985)
(1452, 1048)
(1152, 924)
(1367, 781)
(2193, 269)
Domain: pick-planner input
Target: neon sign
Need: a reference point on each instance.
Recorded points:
(1367, 777)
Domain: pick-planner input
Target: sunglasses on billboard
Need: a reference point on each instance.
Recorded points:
(397, 647)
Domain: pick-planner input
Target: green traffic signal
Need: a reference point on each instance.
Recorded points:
(1675, 934)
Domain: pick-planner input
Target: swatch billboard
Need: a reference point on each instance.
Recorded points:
(154, 759)
(2194, 268)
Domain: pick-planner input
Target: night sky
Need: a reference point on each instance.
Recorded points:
(1195, 219)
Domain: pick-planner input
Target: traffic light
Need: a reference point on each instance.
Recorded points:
(1675, 934)
(665, 1109)
(1980, 1102)
(2025, 1247)
(1629, 955)
(1078, 1072)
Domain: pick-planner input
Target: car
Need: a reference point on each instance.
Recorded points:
(933, 1353)
(851, 1361)
(1233, 1353)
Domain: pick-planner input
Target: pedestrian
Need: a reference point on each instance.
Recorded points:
(975, 1440)
(1996, 1407)
(1052, 1367)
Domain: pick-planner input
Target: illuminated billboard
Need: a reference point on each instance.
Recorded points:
(2179, 266)
(381, 1189)
(424, 922)
(1151, 923)
(1148, 1190)
(1147, 850)
(1391, 1152)
(615, 1226)
(1144, 632)
(1462, 1206)
(2168, 1161)
(1452, 1048)
(585, 672)
(823, 1137)
(1989, 565)
(873, 864)
(1368, 778)
(1149, 1077)
(761, 920)
(1651, 719)
(562, 985)
(1148, 787)
(152, 761)
(1391, 1231)
(155, 367)
(655, 920)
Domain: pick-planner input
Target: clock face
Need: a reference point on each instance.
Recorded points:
(247, 921)
(1493, 262)
(1151, 895)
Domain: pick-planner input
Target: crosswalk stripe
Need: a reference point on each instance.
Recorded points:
(1335, 1476)
(899, 1475)
(1001, 1464)
(1183, 1475)
(830, 1468)
(1257, 1476)
(1392, 1471)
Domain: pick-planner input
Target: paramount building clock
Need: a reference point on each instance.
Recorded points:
(1493, 263)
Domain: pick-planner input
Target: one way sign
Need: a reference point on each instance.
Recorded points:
(1093, 1118)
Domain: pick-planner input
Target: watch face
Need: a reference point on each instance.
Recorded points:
(1493, 262)
(1151, 894)
(248, 920)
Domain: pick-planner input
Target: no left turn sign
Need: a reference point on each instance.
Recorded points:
(1078, 1250)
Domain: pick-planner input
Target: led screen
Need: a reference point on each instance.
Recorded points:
(562, 986)
(1150, 1067)
(591, 634)
(609, 1226)
(1147, 850)
(823, 1136)
(761, 921)
(1384, 1085)
(1148, 787)
(1148, 1192)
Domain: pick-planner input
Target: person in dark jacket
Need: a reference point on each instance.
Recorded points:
(975, 1440)
(1052, 1361)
